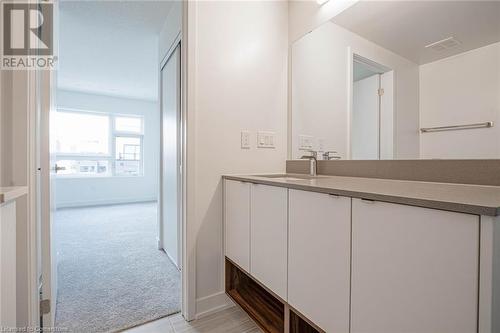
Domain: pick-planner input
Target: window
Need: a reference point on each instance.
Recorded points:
(98, 144)
(82, 133)
(128, 124)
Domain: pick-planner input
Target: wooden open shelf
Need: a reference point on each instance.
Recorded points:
(299, 325)
(261, 305)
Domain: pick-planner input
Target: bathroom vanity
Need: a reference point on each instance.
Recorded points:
(398, 235)
(354, 254)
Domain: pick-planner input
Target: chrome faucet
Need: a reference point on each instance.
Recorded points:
(327, 155)
(313, 162)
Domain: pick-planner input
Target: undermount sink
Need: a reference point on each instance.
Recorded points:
(288, 177)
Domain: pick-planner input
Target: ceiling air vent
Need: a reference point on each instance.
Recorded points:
(443, 44)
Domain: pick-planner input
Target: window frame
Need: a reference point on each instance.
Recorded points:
(141, 157)
(113, 133)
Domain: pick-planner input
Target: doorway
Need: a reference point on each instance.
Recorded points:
(115, 263)
(372, 110)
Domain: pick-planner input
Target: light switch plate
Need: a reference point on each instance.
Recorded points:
(245, 139)
(266, 139)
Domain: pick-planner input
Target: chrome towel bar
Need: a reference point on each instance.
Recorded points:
(487, 124)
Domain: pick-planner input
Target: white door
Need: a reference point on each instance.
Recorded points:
(319, 258)
(46, 112)
(170, 210)
(237, 222)
(269, 241)
(46, 199)
(365, 119)
(413, 269)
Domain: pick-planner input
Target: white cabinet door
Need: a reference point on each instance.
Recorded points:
(413, 269)
(268, 237)
(8, 259)
(237, 222)
(319, 258)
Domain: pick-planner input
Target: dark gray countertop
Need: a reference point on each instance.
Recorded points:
(463, 198)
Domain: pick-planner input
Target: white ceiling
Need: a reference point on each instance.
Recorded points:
(111, 47)
(406, 27)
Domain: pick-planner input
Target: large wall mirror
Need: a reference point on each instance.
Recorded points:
(399, 80)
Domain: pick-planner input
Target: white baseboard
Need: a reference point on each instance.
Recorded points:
(211, 304)
(60, 205)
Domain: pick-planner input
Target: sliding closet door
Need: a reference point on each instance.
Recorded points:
(171, 156)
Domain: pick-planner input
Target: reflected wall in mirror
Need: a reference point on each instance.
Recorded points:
(366, 82)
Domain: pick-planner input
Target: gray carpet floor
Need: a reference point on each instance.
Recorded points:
(111, 275)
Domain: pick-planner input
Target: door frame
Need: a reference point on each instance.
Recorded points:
(352, 56)
(188, 272)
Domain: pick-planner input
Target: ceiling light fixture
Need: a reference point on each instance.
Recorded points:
(322, 2)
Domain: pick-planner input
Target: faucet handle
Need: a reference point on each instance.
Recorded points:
(312, 152)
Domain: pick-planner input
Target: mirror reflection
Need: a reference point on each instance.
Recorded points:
(399, 80)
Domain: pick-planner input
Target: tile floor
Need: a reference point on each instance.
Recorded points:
(231, 320)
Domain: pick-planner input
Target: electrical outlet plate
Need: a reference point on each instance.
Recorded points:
(245, 139)
(321, 144)
(305, 142)
(266, 139)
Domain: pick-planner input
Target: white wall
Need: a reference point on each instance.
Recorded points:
(5, 126)
(461, 89)
(237, 78)
(71, 192)
(320, 98)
